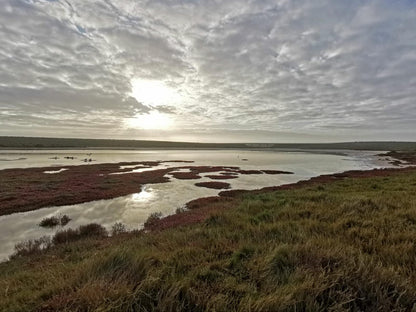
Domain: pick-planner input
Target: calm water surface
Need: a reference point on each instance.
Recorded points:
(134, 209)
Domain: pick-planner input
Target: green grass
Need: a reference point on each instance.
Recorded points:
(345, 246)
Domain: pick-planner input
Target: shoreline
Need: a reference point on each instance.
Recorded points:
(28, 189)
(201, 208)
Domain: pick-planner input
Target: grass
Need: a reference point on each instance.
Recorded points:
(344, 246)
(43, 244)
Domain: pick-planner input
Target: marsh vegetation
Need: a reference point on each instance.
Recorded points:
(53, 221)
(346, 245)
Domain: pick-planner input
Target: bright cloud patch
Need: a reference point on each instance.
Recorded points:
(151, 120)
(153, 92)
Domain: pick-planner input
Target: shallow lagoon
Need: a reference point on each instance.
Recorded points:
(134, 209)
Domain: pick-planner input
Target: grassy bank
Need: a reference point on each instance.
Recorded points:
(346, 245)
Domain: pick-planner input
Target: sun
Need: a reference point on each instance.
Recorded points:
(153, 92)
(152, 120)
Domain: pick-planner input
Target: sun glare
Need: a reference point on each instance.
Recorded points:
(153, 92)
(143, 196)
(152, 120)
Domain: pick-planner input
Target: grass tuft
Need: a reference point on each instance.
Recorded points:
(118, 228)
(54, 221)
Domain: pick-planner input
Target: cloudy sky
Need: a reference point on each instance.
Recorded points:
(209, 70)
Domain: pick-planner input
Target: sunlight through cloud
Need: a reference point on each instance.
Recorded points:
(153, 92)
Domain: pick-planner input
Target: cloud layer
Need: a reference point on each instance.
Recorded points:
(288, 70)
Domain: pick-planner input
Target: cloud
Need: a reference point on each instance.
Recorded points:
(341, 69)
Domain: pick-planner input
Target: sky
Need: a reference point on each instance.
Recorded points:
(209, 70)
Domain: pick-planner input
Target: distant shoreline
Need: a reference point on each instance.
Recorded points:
(340, 152)
(7, 142)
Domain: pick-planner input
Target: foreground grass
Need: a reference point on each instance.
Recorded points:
(349, 245)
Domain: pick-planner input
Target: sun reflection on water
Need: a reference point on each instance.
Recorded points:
(144, 195)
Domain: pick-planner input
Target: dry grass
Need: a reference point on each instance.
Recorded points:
(346, 246)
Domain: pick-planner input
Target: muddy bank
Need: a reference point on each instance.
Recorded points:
(401, 158)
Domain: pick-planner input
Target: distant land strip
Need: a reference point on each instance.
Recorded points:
(8, 142)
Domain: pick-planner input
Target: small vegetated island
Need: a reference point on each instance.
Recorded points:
(341, 242)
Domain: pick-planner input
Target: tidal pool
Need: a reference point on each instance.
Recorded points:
(133, 210)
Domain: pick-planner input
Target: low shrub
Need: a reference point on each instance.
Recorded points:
(153, 218)
(54, 221)
(70, 235)
(118, 228)
(65, 236)
(65, 220)
(92, 229)
(32, 246)
(49, 222)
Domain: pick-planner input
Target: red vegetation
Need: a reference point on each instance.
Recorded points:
(214, 185)
(31, 188)
(204, 201)
(249, 171)
(185, 175)
(276, 172)
(222, 177)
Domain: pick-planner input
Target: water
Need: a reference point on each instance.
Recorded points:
(134, 209)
